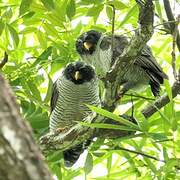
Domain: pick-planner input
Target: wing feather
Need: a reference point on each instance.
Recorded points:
(54, 97)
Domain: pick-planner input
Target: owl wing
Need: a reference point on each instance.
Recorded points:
(54, 97)
(147, 61)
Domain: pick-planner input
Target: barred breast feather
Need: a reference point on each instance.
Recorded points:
(71, 102)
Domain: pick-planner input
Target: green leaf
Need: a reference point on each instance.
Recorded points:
(14, 35)
(110, 115)
(130, 14)
(158, 9)
(95, 10)
(24, 6)
(71, 9)
(49, 4)
(56, 168)
(117, 4)
(8, 14)
(107, 126)
(34, 90)
(109, 12)
(88, 164)
(41, 38)
(109, 164)
(1, 26)
(43, 56)
(49, 91)
(50, 30)
(28, 30)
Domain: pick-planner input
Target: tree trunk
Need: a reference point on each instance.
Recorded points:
(20, 158)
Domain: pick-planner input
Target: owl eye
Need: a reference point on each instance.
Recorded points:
(79, 41)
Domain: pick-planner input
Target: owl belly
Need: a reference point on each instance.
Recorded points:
(71, 105)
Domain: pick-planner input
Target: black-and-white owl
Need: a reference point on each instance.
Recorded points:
(74, 89)
(95, 49)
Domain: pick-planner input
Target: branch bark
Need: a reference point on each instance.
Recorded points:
(149, 110)
(138, 41)
(20, 157)
(171, 18)
(4, 61)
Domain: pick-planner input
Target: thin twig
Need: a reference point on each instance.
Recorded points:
(138, 96)
(4, 61)
(138, 153)
(112, 32)
(174, 35)
(150, 109)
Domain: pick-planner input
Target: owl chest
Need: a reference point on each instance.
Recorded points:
(101, 60)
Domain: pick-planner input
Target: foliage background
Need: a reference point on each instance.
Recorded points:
(39, 37)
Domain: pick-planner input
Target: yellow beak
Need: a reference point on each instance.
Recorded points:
(87, 45)
(77, 75)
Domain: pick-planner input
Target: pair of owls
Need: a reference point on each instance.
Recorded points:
(78, 84)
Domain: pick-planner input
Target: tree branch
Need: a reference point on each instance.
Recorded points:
(163, 100)
(4, 61)
(171, 18)
(138, 41)
(138, 153)
(19, 155)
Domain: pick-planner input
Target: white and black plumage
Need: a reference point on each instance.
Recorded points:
(76, 87)
(95, 49)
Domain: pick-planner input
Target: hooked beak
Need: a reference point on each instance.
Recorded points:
(77, 75)
(87, 45)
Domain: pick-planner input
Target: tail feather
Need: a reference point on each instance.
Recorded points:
(155, 81)
(72, 155)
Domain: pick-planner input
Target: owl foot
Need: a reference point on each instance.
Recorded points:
(61, 130)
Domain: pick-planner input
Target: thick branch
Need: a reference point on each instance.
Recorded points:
(138, 41)
(20, 157)
(162, 101)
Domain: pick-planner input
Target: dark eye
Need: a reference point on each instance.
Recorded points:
(79, 41)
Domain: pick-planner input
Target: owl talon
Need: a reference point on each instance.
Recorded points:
(60, 130)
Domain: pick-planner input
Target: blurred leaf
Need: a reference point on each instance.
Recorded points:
(49, 91)
(88, 164)
(109, 12)
(28, 15)
(28, 30)
(44, 56)
(158, 8)
(117, 4)
(71, 9)
(50, 30)
(130, 13)
(8, 14)
(95, 11)
(1, 26)
(109, 164)
(24, 7)
(14, 35)
(41, 38)
(49, 4)
(34, 90)
(56, 168)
